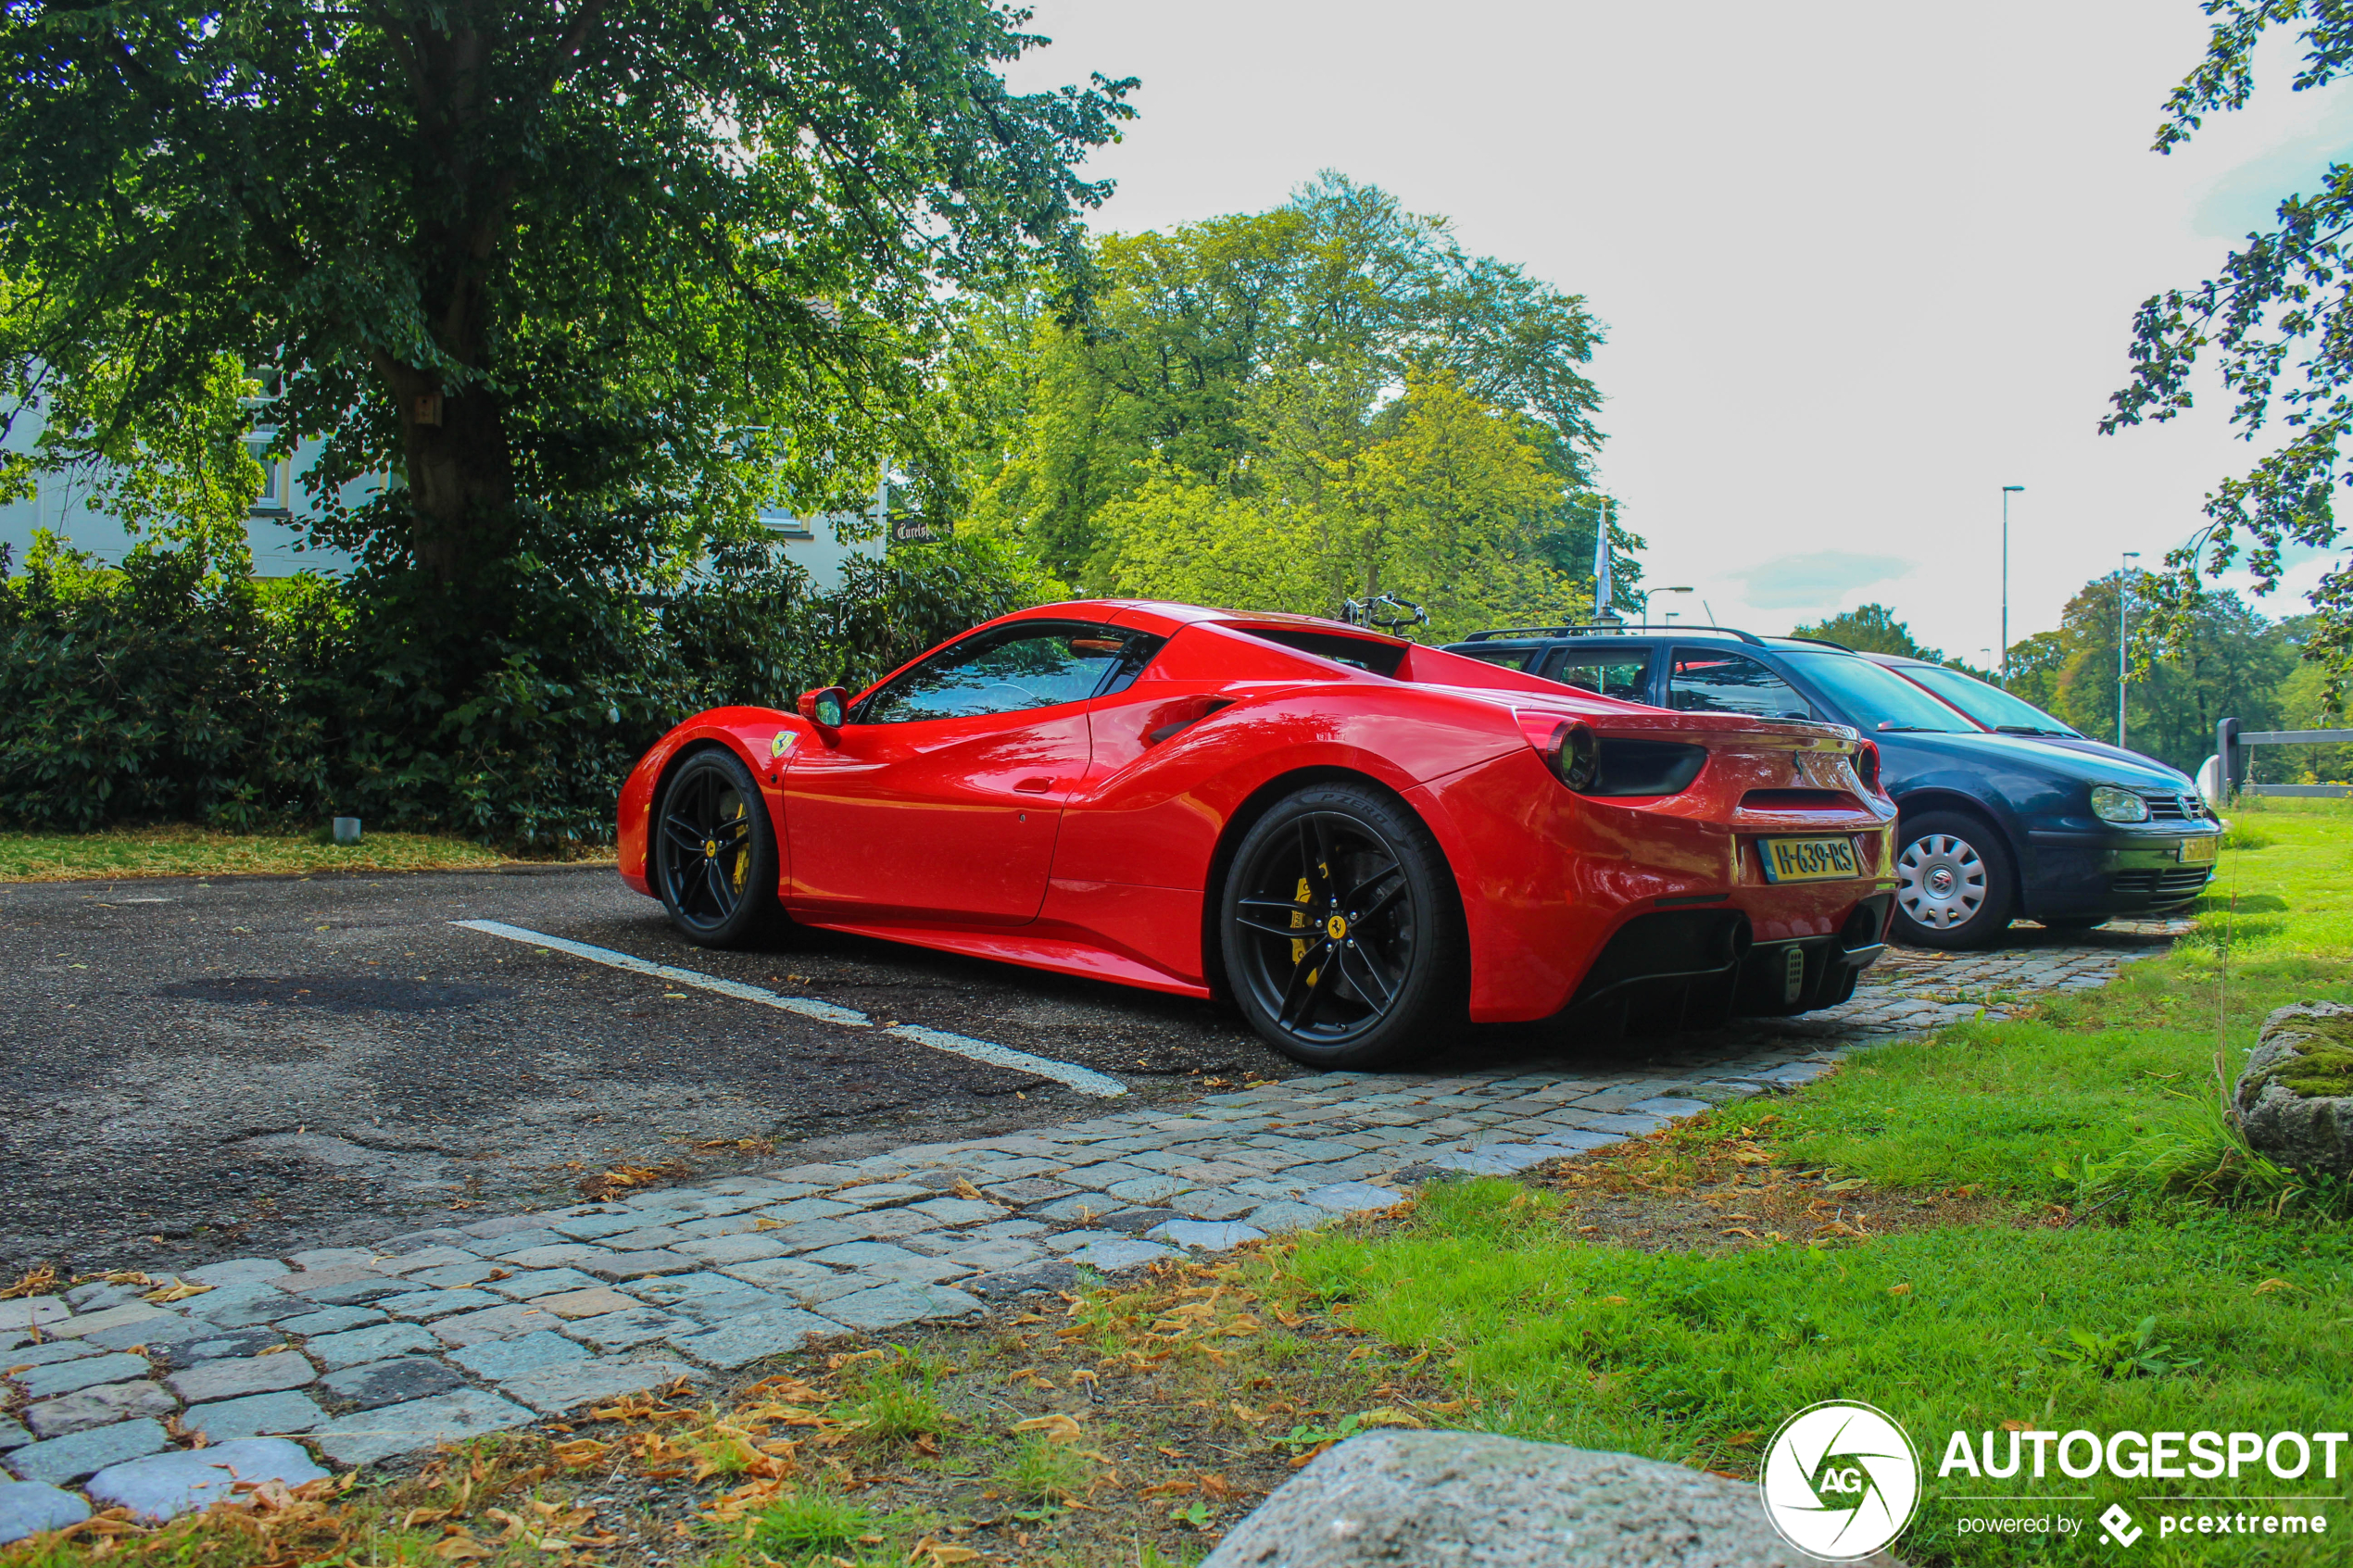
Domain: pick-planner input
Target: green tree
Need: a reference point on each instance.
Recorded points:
(2230, 665)
(2304, 705)
(589, 277)
(2277, 321)
(2035, 665)
(1870, 628)
(1445, 502)
(1223, 350)
(174, 472)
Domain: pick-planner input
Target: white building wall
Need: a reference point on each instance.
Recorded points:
(60, 503)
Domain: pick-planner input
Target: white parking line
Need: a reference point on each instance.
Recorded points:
(1085, 1080)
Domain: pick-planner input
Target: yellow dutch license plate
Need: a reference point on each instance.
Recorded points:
(2198, 851)
(1809, 859)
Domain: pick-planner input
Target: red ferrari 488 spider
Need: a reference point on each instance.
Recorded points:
(1360, 841)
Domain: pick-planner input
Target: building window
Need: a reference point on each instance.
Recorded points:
(277, 479)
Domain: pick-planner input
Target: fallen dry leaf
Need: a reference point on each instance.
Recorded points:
(178, 1290)
(1903, 1289)
(968, 1192)
(1387, 1415)
(1055, 1427)
(2268, 1286)
(33, 1282)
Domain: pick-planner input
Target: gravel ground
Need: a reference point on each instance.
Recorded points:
(195, 1069)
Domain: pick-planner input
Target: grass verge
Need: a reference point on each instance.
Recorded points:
(2038, 1223)
(130, 853)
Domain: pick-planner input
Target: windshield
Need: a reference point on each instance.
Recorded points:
(1871, 697)
(1990, 706)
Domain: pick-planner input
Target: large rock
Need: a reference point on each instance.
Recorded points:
(2295, 1095)
(1466, 1499)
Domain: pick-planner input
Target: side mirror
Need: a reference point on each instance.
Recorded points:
(824, 706)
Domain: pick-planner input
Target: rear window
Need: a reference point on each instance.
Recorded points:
(1510, 658)
(1357, 652)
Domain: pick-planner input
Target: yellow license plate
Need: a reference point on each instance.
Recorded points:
(1809, 859)
(2198, 851)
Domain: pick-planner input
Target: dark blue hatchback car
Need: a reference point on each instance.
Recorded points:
(1994, 827)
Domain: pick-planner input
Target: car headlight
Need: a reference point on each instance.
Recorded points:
(2113, 804)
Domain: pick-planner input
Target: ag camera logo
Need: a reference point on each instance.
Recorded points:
(1840, 1480)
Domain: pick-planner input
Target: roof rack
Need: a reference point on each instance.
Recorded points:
(1818, 641)
(1611, 628)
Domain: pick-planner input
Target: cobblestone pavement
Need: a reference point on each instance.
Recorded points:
(365, 1352)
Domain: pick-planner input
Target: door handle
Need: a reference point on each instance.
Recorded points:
(1034, 786)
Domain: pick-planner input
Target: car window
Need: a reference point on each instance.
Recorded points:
(1510, 658)
(1712, 681)
(1009, 670)
(1358, 653)
(1623, 673)
(1990, 706)
(1872, 696)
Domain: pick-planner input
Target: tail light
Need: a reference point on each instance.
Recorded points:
(1866, 767)
(1568, 747)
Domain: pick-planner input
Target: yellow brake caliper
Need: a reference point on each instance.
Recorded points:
(1298, 921)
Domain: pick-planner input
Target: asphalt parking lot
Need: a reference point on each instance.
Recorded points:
(192, 1071)
(195, 1069)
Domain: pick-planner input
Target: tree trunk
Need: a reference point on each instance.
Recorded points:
(461, 474)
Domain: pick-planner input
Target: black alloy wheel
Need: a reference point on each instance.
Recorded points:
(1341, 931)
(715, 852)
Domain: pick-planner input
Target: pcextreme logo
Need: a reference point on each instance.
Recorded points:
(1840, 1480)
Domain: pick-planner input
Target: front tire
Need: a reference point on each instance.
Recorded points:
(1955, 885)
(1341, 931)
(715, 852)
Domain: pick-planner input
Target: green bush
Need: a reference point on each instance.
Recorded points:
(511, 712)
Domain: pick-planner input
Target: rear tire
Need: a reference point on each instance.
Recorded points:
(1956, 887)
(713, 855)
(1341, 930)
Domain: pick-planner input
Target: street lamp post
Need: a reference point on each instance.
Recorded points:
(2008, 491)
(1670, 614)
(2122, 589)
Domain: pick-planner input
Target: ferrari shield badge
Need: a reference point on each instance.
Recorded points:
(781, 745)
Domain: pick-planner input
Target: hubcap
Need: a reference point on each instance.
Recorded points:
(1940, 881)
(1332, 978)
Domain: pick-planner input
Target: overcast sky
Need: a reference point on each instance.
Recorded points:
(1860, 265)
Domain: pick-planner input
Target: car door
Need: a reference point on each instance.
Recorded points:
(940, 796)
